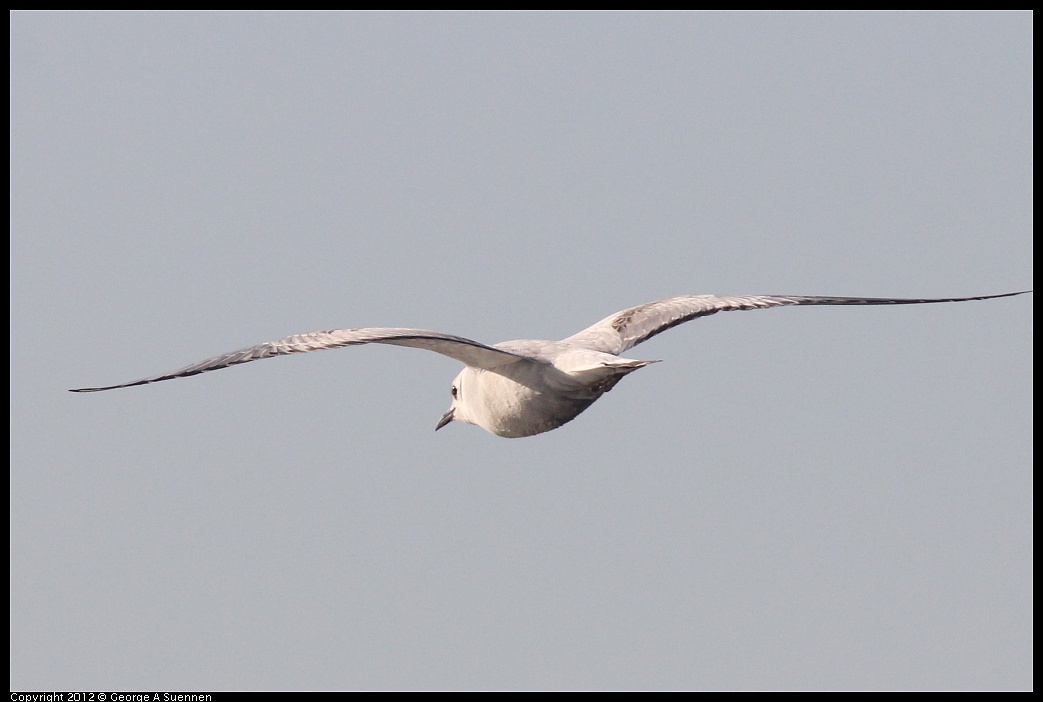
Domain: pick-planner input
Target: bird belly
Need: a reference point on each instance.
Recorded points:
(509, 409)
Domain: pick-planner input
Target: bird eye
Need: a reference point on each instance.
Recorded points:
(452, 391)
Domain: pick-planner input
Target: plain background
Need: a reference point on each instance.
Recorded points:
(813, 498)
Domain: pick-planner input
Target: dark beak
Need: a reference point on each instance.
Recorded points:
(446, 418)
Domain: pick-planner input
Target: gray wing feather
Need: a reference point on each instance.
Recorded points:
(467, 351)
(623, 330)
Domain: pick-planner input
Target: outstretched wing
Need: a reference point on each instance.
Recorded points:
(623, 330)
(467, 351)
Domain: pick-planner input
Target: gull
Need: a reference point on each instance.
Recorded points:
(527, 387)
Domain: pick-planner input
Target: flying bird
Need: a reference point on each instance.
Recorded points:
(527, 387)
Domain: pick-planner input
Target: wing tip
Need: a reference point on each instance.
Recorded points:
(112, 387)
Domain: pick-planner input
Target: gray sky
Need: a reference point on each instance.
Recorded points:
(796, 498)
